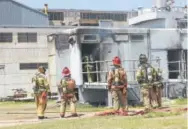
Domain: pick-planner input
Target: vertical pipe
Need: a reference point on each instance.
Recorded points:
(97, 71)
(181, 56)
(179, 69)
(134, 68)
(4, 85)
(129, 56)
(182, 64)
(149, 45)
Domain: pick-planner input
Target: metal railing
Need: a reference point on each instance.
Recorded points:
(101, 68)
(179, 70)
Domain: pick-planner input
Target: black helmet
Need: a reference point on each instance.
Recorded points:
(143, 58)
(41, 67)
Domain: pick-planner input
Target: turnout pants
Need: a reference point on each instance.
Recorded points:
(119, 100)
(159, 96)
(68, 100)
(156, 96)
(146, 97)
(41, 103)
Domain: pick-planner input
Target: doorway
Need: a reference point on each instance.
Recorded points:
(90, 53)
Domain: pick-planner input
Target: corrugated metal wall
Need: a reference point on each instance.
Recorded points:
(13, 13)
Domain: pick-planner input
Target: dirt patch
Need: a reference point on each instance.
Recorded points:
(31, 119)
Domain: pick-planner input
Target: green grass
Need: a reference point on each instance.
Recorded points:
(110, 123)
(153, 120)
(182, 101)
(163, 114)
(29, 106)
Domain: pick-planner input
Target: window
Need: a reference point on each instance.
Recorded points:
(32, 66)
(107, 16)
(92, 16)
(90, 37)
(5, 37)
(56, 16)
(27, 37)
(137, 38)
(84, 16)
(124, 17)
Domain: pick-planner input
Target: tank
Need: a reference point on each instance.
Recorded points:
(160, 3)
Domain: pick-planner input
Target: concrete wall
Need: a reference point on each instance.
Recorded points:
(162, 54)
(14, 53)
(166, 39)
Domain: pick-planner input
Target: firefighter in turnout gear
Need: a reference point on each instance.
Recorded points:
(145, 76)
(117, 84)
(88, 67)
(158, 87)
(41, 91)
(67, 91)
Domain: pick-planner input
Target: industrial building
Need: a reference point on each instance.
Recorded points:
(72, 17)
(163, 15)
(168, 45)
(14, 13)
(24, 45)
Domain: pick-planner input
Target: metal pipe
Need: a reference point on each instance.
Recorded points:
(179, 68)
(97, 73)
(149, 46)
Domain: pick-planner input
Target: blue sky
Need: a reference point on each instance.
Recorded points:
(94, 4)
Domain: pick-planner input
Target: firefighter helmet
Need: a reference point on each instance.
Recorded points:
(116, 61)
(41, 69)
(66, 71)
(143, 58)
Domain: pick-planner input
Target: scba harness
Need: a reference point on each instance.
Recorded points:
(118, 77)
(66, 88)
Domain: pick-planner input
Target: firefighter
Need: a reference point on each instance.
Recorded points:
(41, 91)
(117, 84)
(158, 85)
(88, 67)
(67, 91)
(145, 76)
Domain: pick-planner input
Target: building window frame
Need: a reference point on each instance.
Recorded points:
(56, 16)
(137, 38)
(32, 66)
(27, 37)
(6, 37)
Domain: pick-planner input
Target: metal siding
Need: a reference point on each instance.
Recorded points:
(9, 13)
(14, 14)
(31, 18)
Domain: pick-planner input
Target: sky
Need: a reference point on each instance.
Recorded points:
(94, 4)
